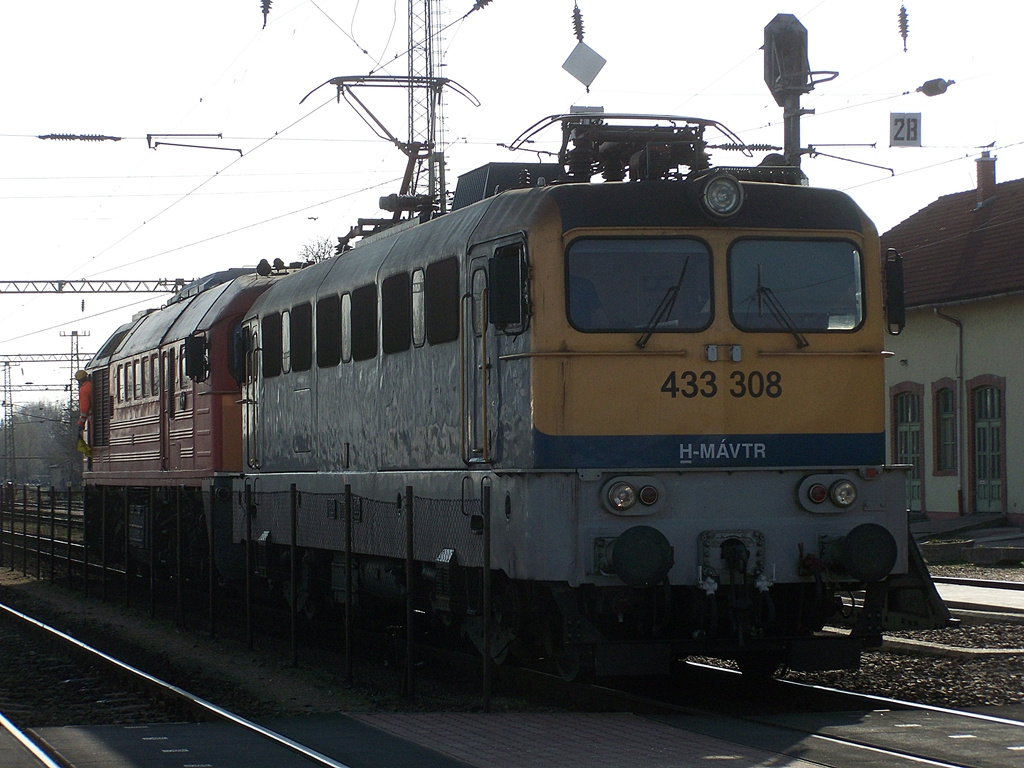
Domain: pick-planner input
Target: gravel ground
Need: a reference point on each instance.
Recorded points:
(969, 679)
(262, 683)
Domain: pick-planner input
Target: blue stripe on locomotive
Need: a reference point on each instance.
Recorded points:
(708, 451)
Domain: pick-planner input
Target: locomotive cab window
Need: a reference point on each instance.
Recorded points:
(633, 284)
(507, 304)
(796, 285)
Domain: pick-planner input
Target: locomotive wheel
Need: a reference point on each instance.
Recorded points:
(508, 612)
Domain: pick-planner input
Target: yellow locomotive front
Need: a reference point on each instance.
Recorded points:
(706, 399)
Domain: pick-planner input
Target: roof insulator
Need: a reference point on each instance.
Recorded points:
(266, 9)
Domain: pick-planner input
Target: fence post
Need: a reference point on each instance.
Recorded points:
(127, 548)
(70, 556)
(103, 547)
(149, 544)
(211, 558)
(248, 566)
(485, 502)
(3, 507)
(348, 583)
(410, 690)
(24, 529)
(53, 531)
(293, 593)
(39, 527)
(179, 615)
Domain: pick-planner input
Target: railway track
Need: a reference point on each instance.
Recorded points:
(114, 691)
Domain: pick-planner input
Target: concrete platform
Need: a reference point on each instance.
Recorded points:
(982, 539)
(565, 740)
(412, 740)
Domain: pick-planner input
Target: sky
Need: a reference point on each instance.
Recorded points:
(285, 174)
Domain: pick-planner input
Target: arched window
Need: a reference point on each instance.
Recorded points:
(989, 446)
(907, 412)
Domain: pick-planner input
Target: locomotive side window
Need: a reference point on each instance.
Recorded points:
(633, 284)
(364, 322)
(396, 313)
(286, 342)
(270, 329)
(418, 319)
(795, 285)
(328, 331)
(301, 337)
(346, 328)
(119, 384)
(154, 376)
(129, 386)
(441, 301)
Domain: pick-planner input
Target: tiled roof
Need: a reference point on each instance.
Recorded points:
(955, 250)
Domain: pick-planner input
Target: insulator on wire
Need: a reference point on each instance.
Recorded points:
(577, 22)
(266, 9)
(479, 5)
(78, 137)
(904, 26)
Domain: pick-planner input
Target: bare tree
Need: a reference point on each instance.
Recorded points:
(317, 250)
(44, 440)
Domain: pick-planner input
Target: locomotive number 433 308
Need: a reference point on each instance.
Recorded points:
(739, 384)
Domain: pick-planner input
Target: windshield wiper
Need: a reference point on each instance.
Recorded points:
(664, 307)
(766, 296)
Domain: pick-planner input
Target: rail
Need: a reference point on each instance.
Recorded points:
(168, 690)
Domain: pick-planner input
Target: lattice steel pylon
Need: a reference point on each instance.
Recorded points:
(425, 105)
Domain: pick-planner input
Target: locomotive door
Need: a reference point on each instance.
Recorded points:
(250, 395)
(494, 308)
(477, 341)
(167, 368)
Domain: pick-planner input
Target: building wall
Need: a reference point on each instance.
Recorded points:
(927, 354)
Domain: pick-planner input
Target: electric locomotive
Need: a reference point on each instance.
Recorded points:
(613, 424)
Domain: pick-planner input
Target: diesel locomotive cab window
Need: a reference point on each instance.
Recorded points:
(646, 285)
(795, 285)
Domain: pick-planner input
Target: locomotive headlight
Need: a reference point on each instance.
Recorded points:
(722, 195)
(843, 493)
(622, 496)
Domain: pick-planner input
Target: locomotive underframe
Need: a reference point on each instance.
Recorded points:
(732, 591)
(736, 611)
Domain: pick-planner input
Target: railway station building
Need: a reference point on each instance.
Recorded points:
(956, 379)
